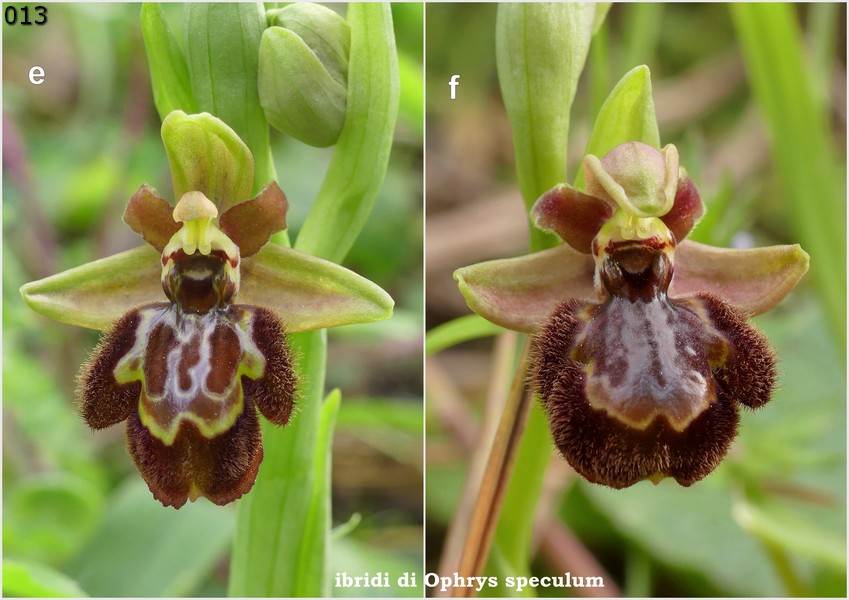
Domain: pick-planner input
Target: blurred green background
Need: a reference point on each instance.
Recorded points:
(761, 129)
(77, 517)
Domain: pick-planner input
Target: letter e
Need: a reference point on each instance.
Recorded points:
(36, 75)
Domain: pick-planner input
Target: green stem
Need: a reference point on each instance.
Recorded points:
(541, 50)
(359, 163)
(268, 557)
(283, 530)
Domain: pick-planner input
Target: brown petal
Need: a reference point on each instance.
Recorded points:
(150, 216)
(274, 392)
(222, 468)
(574, 216)
(686, 210)
(752, 280)
(103, 401)
(520, 293)
(251, 223)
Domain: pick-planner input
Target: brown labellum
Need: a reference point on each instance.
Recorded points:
(643, 386)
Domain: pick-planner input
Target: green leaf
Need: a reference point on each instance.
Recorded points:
(515, 527)
(802, 147)
(207, 156)
(457, 331)
(297, 92)
(169, 75)
(626, 116)
(777, 524)
(50, 516)
(269, 549)
(359, 162)
(146, 550)
(222, 49)
(33, 580)
(660, 518)
(308, 292)
(97, 294)
(313, 557)
(540, 51)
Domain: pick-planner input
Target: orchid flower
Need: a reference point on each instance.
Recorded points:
(642, 353)
(196, 319)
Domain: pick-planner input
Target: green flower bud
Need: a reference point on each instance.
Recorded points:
(303, 73)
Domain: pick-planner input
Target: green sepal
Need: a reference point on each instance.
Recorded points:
(310, 293)
(627, 115)
(297, 92)
(98, 293)
(169, 74)
(520, 293)
(753, 279)
(207, 156)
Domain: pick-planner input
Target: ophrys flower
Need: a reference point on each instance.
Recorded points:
(642, 350)
(196, 320)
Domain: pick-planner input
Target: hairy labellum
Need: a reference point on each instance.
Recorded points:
(644, 386)
(188, 375)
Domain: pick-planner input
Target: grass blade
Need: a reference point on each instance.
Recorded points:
(771, 43)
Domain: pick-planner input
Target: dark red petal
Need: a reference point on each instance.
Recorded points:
(251, 223)
(150, 216)
(222, 468)
(103, 401)
(574, 216)
(686, 210)
(749, 373)
(274, 392)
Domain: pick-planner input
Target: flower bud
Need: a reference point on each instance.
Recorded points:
(303, 73)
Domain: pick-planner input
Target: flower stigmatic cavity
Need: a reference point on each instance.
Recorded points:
(642, 354)
(189, 369)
